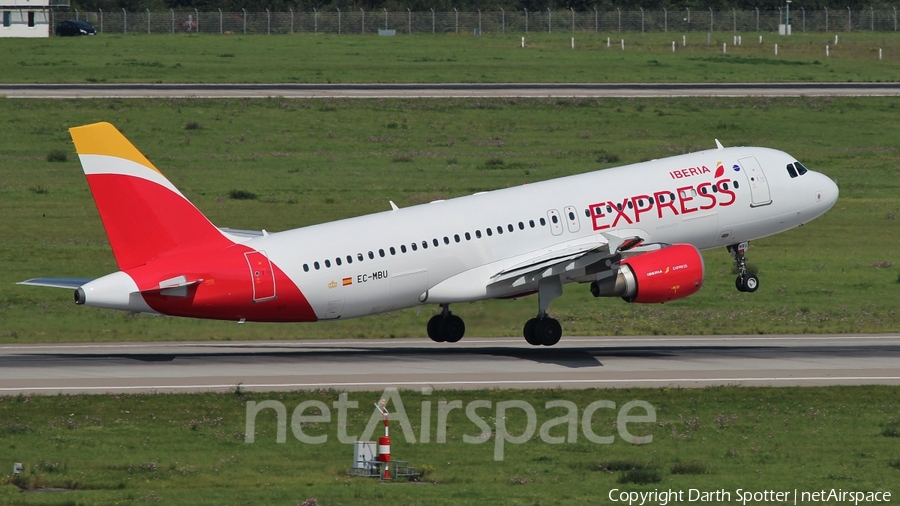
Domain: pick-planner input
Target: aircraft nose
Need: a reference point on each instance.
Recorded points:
(828, 191)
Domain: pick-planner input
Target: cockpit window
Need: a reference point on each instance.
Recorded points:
(791, 171)
(801, 169)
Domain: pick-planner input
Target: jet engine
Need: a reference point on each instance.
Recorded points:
(666, 274)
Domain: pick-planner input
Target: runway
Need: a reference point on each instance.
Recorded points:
(507, 363)
(450, 90)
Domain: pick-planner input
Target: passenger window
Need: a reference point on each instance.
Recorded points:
(736, 185)
(402, 248)
(316, 265)
(414, 247)
(531, 223)
(447, 239)
(349, 259)
(608, 209)
(305, 268)
(587, 213)
(489, 232)
(456, 237)
(337, 261)
(724, 186)
(328, 263)
(662, 199)
(619, 207)
(424, 244)
(393, 251)
(801, 169)
(715, 189)
(671, 196)
(703, 190)
(554, 218)
(571, 216)
(381, 253)
(510, 227)
(478, 234)
(435, 241)
(521, 226)
(630, 205)
(359, 256)
(543, 222)
(372, 255)
(468, 237)
(499, 229)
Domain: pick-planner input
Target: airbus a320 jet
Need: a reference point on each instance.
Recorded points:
(633, 232)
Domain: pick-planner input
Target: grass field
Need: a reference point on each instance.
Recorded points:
(451, 58)
(313, 161)
(190, 449)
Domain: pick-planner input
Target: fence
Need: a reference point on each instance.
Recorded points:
(568, 21)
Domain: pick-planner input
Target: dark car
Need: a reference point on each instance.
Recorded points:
(74, 28)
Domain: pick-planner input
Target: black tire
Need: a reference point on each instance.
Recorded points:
(739, 284)
(751, 283)
(529, 332)
(452, 328)
(548, 331)
(433, 328)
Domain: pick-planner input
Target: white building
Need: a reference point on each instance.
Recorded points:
(27, 18)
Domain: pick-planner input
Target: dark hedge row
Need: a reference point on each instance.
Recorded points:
(465, 5)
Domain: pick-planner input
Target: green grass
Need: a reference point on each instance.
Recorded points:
(449, 58)
(311, 161)
(190, 449)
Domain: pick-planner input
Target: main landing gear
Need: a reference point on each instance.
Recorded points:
(543, 330)
(745, 281)
(446, 327)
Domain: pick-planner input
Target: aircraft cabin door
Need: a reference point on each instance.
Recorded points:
(555, 222)
(756, 178)
(261, 275)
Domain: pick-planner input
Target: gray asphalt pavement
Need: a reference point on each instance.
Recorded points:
(503, 90)
(577, 362)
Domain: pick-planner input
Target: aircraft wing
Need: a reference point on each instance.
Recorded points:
(70, 283)
(564, 258)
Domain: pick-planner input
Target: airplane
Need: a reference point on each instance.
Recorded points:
(633, 232)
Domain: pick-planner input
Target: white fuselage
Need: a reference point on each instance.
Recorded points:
(455, 258)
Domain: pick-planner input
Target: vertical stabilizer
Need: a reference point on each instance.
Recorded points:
(144, 215)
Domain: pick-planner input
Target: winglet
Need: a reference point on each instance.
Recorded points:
(719, 145)
(393, 205)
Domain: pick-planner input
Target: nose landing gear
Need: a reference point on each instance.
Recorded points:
(745, 281)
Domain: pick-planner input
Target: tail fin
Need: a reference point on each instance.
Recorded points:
(144, 215)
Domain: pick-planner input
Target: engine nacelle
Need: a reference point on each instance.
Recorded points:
(659, 276)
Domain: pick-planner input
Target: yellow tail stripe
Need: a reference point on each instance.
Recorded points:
(104, 139)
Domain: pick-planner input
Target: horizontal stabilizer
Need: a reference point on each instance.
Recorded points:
(242, 232)
(70, 283)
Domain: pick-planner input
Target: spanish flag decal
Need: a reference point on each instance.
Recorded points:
(348, 281)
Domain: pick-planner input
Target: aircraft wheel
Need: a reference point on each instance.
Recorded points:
(548, 331)
(529, 332)
(434, 328)
(739, 284)
(452, 328)
(751, 283)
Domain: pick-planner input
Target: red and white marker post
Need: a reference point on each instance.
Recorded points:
(384, 442)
